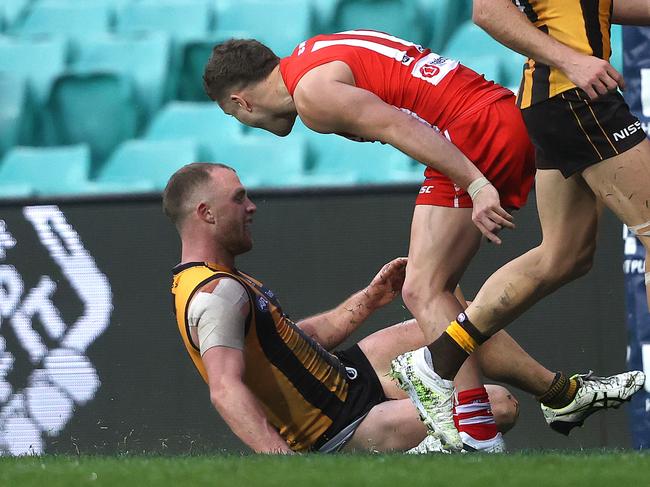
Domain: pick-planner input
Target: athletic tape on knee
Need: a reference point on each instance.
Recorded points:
(635, 229)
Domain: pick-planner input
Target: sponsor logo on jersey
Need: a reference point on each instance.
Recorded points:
(627, 131)
(406, 59)
(429, 71)
(426, 189)
(262, 303)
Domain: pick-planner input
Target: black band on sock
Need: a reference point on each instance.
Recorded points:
(557, 391)
(471, 330)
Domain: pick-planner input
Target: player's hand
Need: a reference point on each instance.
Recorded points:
(387, 284)
(488, 215)
(593, 75)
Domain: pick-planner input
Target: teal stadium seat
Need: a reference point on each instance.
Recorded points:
(13, 96)
(95, 108)
(203, 121)
(401, 18)
(12, 11)
(280, 24)
(349, 162)
(40, 59)
(442, 17)
(322, 15)
(142, 57)
(50, 171)
(616, 36)
(181, 19)
(139, 165)
(75, 20)
(470, 43)
(264, 160)
(194, 56)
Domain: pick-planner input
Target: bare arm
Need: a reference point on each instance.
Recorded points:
(507, 24)
(332, 327)
(236, 404)
(631, 12)
(327, 101)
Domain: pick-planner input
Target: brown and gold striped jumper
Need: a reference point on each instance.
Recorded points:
(583, 25)
(301, 386)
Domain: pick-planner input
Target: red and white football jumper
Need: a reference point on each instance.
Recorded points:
(477, 116)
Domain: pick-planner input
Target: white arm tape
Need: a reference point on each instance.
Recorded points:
(219, 318)
(643, 226)
(477, 185)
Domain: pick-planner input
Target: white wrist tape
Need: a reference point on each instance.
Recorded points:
(476, 186)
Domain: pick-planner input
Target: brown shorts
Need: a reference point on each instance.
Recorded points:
(571, 132)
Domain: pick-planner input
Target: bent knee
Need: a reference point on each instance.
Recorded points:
(418, 294)
(566, 265)
(505, 407)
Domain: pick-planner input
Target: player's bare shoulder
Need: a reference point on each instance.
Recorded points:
(318, 90)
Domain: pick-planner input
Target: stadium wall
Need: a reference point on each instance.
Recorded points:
(91, 361)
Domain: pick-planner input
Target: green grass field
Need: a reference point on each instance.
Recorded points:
(528, 469)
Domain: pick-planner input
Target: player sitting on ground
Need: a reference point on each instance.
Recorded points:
(273, 381)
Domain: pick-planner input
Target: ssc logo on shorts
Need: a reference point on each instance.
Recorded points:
(429, 71)
(262, 304)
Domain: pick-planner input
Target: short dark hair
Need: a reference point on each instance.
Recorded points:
(237, 63)
(180, 186)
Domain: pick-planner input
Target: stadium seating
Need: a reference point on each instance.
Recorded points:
(181, 19)
(361, 163)
(40, 59)
(49, 171)
(12, 110)
(12, 10)
(616, 59)
(75, 20)
(194, 54)
(142, 57)
(470, 43)
(203, 121)
(141, 165)
(442, 18)
(280, 24)
(263, 160)
(401, 18)
(97, 108)
(322, 16)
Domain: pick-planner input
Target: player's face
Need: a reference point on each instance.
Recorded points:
(234, 211)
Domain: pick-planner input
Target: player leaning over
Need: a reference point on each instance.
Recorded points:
(371, 86)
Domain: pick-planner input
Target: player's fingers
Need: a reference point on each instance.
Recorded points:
(591, 93)
(491, 236)
(609, 82)
(501, 221)
(600, 87)
(616, 76)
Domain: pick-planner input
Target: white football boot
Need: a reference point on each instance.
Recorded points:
(431, 394)
(594, 394)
